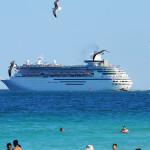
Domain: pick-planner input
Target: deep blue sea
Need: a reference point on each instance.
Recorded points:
(96, 118)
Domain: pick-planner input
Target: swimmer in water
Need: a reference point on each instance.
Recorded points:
(62, 129)
(16, 145)
(8, 146)
(114, 147)
(124, 130)
(89, 147)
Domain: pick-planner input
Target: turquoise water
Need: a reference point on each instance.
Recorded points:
(34, 118)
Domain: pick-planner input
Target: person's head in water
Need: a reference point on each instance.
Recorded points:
(138, 149)
(62, 129)
(114, 147)
(89, 147)
(15, 142)
(8, 146)
(124, 129)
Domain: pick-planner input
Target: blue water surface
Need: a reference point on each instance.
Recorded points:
(35, 118)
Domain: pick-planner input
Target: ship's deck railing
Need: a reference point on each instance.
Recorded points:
(49, 65)
(63, 66)
(45, 76)
(114, 66)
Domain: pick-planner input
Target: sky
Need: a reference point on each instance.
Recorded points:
(28, 30)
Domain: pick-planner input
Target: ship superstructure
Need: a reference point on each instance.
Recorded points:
(96, 75)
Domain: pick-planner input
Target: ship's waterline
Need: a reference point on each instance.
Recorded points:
(96, 75)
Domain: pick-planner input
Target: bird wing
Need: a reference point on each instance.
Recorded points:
(9, 71)
(105, 51)
(55, 12)
(56, 3)
(12, 63)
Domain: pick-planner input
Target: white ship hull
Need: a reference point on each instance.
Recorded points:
(65, 84)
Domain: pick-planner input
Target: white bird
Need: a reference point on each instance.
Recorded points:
(56, 8)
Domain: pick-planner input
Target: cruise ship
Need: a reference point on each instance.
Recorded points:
(95, 75)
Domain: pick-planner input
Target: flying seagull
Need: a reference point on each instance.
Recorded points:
(56, 8)
(101, 52)
(11, 67)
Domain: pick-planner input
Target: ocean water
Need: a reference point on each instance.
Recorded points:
(96, 118)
